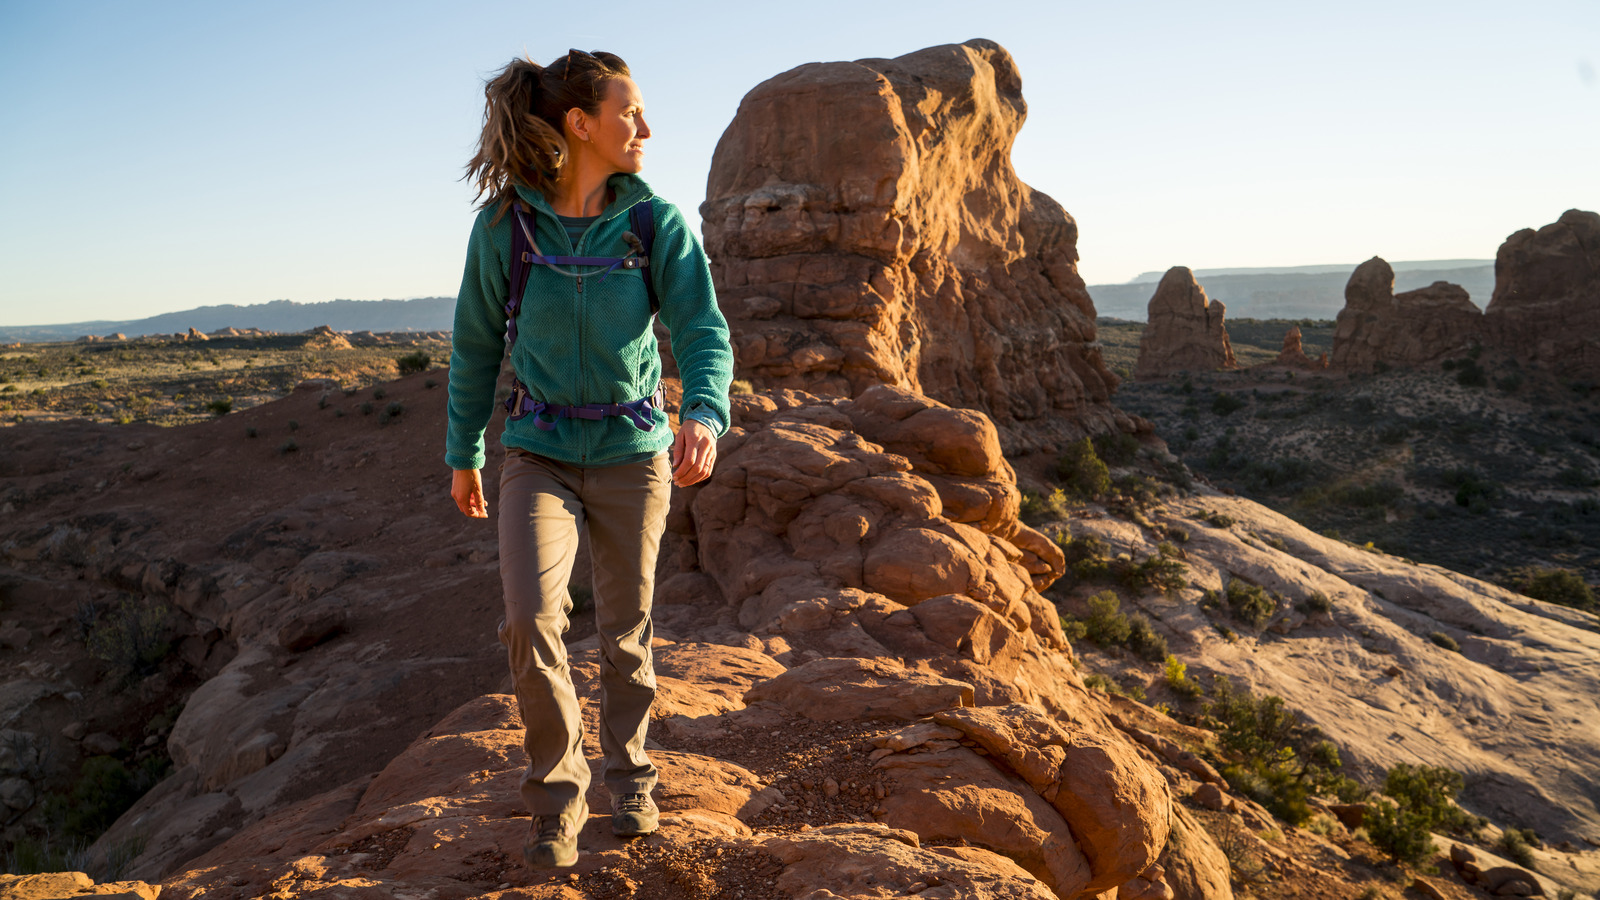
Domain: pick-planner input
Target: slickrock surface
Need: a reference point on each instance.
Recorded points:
(1546, 304)
(866, 227)
(1513, 710)
(860, 690)
(1378, 327)
(1293, 354)
(1186, 331)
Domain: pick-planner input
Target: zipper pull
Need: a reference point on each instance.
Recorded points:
(580, 284)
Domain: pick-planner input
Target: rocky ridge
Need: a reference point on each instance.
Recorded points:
(866, 227)
(1378, 327)
(1546, 304)
(1186, 331)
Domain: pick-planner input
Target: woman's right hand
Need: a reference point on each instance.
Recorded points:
(466, 487)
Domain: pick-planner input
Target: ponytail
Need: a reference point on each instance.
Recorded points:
(525, 104)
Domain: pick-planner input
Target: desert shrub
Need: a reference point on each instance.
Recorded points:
(741, 386)
(1368, 496)
(1517, 844)
(1317, 602)
(411, 363)
(1088, 558)
(1116, 448)
(251, 432)
(1250, 604)
(390, 412)
(131, 638)
(1562, 586)
(1224, 403)
(1575, 477)
(379, 393)
(1160, 571)
(1073, 628)
(1473, 490)
(1177, 675)
(1275, 474)
(1510, 383)
(430, 384)
(1470, 374)
(105, 789)
(288, 446)
(366, 408)
(1081, 471)
(1423, 802)
(1144, 640)
(1040, 508)
(322, 401)
(1278, 760)
(1094, 681)
(1215, 519)
(221, 406)
(1445, 641)
(1105, 625)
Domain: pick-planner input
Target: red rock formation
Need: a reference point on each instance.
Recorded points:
(865, 227)
(1546, 304)
(1378, 327)
(1293, 354)
(1185, 331)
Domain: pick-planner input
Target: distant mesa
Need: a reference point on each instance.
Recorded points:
(866, 227)
(1185, 330)
(1379, 328)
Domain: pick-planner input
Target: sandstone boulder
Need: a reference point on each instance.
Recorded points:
(1185, 331)
(1546, 304)
(866, 227)
(1379, 328)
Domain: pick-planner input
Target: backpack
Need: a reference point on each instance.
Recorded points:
(641, 216)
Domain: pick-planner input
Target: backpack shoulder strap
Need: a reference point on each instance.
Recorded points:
(521, 265)
(642, 216)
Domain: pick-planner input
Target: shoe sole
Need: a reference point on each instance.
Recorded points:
(535, 860)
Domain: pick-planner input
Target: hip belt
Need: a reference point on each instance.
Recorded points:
(640, 412)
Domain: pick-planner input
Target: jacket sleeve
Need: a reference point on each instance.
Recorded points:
(476, 347)
(682, 277)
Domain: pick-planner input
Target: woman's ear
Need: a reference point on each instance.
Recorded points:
(578, 123)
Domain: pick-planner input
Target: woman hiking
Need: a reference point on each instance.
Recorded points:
(586, 442)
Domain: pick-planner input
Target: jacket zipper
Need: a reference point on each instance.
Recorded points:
(583, 442)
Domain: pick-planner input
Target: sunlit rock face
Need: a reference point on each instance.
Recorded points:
(1378, 327)
(866, 227)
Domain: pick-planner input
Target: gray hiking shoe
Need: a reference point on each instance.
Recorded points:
(552, 841)
(633, 815)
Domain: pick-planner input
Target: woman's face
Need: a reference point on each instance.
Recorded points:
(617, 133)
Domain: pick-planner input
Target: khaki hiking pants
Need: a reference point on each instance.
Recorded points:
(544, 506)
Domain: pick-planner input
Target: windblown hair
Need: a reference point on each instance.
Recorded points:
(524, 107)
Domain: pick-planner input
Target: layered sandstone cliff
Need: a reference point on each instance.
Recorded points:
(1185, 331)
(866, 227)
(1546, 304)
(1378, 327)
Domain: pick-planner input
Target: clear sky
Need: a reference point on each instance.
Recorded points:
(163, 155)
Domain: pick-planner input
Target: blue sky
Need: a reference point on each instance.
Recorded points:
(161, 156)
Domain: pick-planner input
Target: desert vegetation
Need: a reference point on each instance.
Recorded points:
(172, 381)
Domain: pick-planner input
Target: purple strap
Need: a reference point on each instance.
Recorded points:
(640, 412)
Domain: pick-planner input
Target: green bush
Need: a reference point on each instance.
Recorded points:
(1105, 625)
(1073, 628)
(1081, 470)
(1517, 844)
(1161, 571)
(1279, 760)
(1116, 448)
(221, 406)
(1318, 602)
(1177, 675)
(1424, 801)
(1226, 404)
(1144, 640)
(1445, 641)
(1562, 586)
(741, 386)
(1250, 604)
(131, 638)
(411, 363)
(1040, 508)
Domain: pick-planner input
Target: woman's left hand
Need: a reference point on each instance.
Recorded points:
(694, 452)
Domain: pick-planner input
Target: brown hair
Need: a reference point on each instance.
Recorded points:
(524, 105)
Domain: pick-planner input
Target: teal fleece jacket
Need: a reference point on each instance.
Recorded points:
(585, 340)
